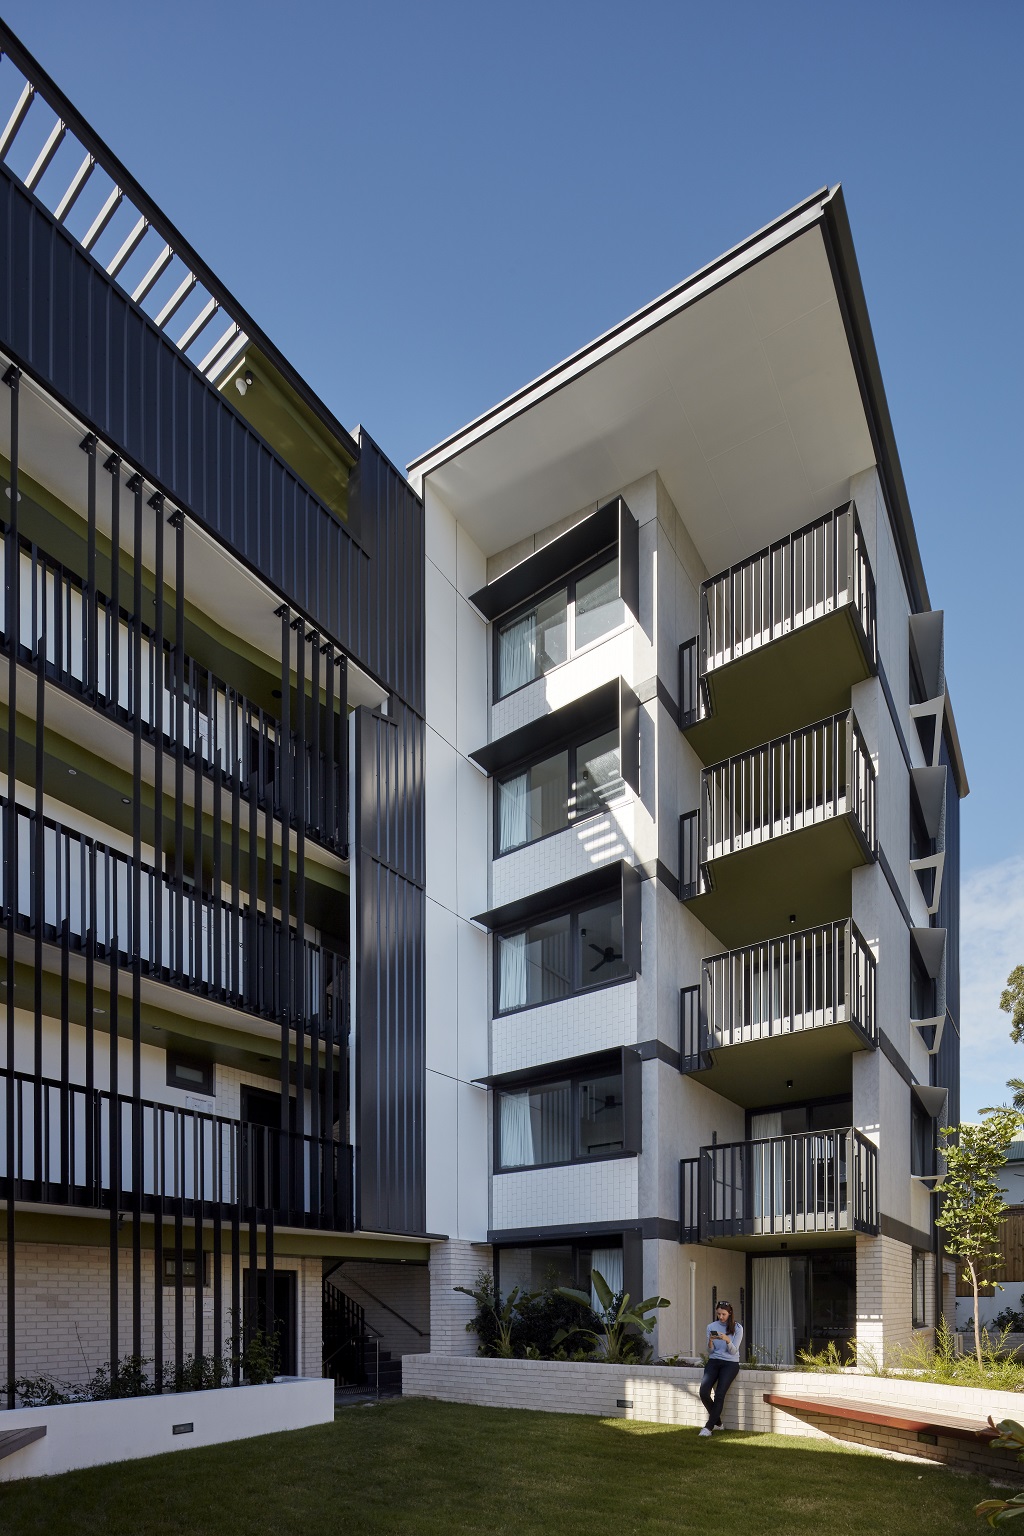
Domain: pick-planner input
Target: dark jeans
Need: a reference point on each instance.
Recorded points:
(720, 1375)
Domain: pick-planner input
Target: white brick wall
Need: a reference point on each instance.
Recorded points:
(452, 1264)
(62, 1310)
(597, 1021)
(607, 659)
(581, 1192)
(884, 1301)
(579, 849)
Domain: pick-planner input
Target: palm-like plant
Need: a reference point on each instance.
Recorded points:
(614, 1339)
(1017, 1085)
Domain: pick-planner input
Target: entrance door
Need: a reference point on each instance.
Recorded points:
(281, 1317)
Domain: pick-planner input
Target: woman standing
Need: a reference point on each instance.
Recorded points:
(725, 1335)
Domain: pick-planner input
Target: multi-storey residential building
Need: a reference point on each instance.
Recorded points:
(692, 822)
(556, 872)
(212, 825)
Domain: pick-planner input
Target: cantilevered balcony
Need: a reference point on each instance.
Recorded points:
(778, 831)
(76, 891)
(789, 1009)
(783, 637)
(64, 1141)
(816, 1185)
(90, 646)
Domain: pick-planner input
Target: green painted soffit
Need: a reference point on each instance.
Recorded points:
(94, 1232)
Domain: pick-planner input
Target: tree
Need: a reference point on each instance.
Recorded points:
(1017, 1085)
(972, 1201)
(1012, 1002)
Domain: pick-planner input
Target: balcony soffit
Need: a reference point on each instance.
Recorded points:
(744, 399)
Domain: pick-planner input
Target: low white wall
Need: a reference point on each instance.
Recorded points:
(90, 1434)
(670, 1395)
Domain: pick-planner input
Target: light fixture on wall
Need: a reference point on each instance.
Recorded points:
(244, 382)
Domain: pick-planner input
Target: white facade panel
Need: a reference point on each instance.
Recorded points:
(553, 1197)
(575, 1026)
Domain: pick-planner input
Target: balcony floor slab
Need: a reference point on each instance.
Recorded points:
(816, 1061)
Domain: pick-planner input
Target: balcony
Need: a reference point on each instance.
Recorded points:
(793, 1008)
(64, 1142)
(90, 654)
(778, 832)
(784, 635)
(816, 1185)
(190, 939)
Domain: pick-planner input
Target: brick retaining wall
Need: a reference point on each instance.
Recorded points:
(669, 1395)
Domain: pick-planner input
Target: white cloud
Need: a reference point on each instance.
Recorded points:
(991, 944)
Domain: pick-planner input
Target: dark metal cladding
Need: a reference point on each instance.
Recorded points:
(391, 1194)
(70, 326)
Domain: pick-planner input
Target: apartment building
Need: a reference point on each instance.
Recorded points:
(692, 822)
(212, 818)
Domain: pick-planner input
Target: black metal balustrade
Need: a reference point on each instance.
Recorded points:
(799, 780)
(233, 955)
(92, 656)
(812, 1182)
(167, 1158)
(805, 576)
(798, 981)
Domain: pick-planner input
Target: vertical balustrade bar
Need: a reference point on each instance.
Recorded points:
(199, 938)
(88, 858)
(158, 1278)
(198, 1172)
(330, 799)
(178, 522)
(251, 997)
(38, 889)
(157, 503)
(297, 1004)
(284, 976)
(216, 899)
(113, 610)
(114, 1127)
(179, 1269)
(236, 1269)
(314, 815)
(12, 606)
(237, 983)
(63, 898)
(135, 949)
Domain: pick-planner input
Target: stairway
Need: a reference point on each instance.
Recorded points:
(351, 1353)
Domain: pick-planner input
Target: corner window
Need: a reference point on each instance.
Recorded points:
(563, 1122)
(918, 1274)
(560, 955)
(577, 781)
(554, 628)
(922, 1139)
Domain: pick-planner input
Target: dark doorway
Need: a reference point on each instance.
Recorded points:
(281, 1319)
(262, 1147)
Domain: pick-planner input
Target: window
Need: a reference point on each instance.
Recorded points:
(552, 1264)
(577, 781)
(191, 1073)
(189, 1269)
(918, 1272)
(557, 956)
(556, 627)
(562, 1122)
(922, 988)
(922, 1139)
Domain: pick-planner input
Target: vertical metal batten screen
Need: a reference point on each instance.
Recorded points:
(389, 960)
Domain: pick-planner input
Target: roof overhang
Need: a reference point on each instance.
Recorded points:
(753, 389)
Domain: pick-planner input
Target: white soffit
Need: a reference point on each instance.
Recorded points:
(743, 396)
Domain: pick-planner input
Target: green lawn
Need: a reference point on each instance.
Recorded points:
(421, 1467)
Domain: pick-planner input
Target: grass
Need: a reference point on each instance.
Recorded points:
(419, 1468)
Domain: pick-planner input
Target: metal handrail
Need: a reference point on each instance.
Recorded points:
(806, 980)
(91, 656)
(379, 1303)
(813, 1181)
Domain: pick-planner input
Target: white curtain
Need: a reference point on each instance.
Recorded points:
(512, 804)
(607, 1262)
(517, 654)
(772, 1311)
(516, 1131)
(769, 1170)
(512, 979)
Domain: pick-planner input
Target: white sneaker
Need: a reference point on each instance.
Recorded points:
(705, 1434)
(716, 1427)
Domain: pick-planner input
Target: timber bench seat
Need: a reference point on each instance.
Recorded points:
(890, 1415)
(12, 1440)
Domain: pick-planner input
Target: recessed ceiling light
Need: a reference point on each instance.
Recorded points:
(7, 493)
(73, 772)
(126, 799)
(275, 693)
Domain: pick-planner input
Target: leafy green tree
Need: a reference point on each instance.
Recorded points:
(1012, 1002)
(972, 1201)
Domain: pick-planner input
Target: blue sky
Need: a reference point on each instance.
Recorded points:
(427, 205)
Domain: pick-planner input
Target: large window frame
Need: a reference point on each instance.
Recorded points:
(624, 1064)
(571, 747)
(568, 585)
(610, 897)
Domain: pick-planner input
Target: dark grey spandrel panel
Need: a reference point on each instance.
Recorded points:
(946, 1065)
(70, 327)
